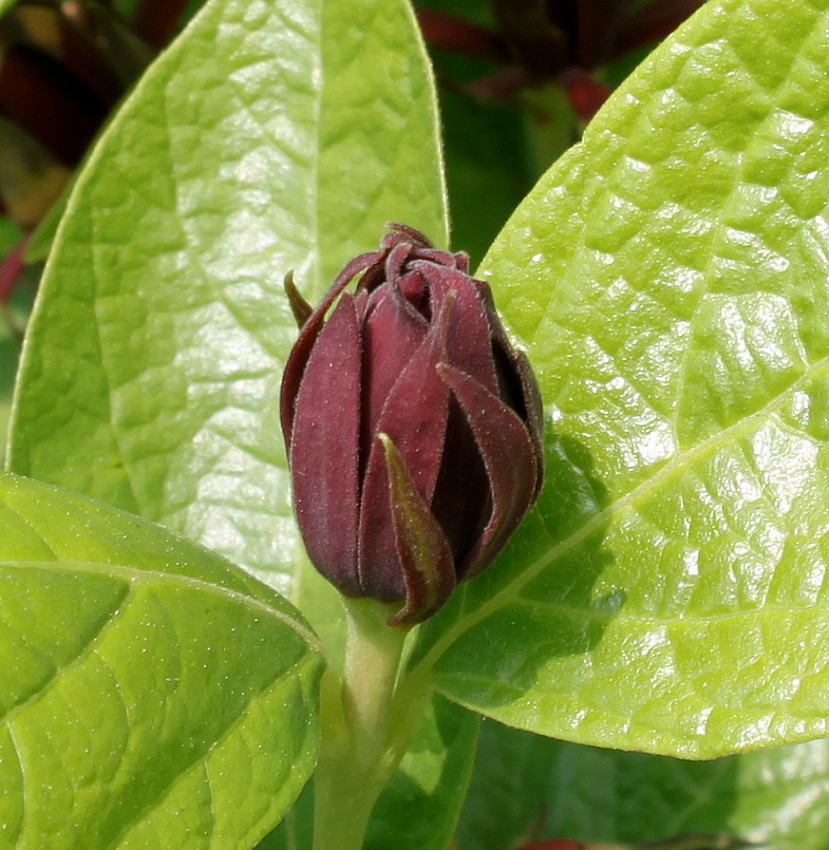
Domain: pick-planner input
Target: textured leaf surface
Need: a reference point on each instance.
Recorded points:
(152, 695)
(524, 785)
(669, 278)
(270, 137)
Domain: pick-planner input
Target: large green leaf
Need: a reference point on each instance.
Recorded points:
(525, 785)
(271, 136)
(152, 694)
(669, 278)
(510, 789)
(776, 798)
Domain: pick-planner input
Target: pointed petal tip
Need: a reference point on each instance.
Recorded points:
(300, 308)
(396, 230)
(422, 548)
(509, 455)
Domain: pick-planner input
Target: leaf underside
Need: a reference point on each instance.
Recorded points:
(524, 785)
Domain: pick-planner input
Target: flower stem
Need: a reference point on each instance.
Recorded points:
(355, 760)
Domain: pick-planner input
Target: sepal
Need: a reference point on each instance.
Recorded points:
(422, 548)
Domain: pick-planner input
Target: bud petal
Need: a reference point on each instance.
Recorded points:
(413, 428)
(392, 332)
(510, 460)
(324, 449)
(469, 338)
(424, 554)
(414, 417)
(298, 359)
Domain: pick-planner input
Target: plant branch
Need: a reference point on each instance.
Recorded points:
(354, 762)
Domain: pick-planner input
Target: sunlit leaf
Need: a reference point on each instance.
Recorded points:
(152, 694)
(669, 279)
(269, 137)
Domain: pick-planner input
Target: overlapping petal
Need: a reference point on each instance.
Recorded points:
(413, 427)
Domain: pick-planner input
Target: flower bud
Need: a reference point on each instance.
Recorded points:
(413, 428)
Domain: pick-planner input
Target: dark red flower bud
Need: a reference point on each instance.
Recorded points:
(413, 427)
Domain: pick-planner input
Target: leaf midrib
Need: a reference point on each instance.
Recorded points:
(673, 467)
(136, 577)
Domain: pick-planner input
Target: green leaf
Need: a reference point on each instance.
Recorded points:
(781, 797)
(43, 236)
(269, 137)
(296, 830)
(529, 786)
(10, 234)
(669, 279)
(5, 5)
(419, 807)
(775, 797)
(510, 788)
(487, 173)
(14, 314)
(9, 353)
(152, 695)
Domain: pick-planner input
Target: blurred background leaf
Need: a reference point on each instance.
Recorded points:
(526, 788)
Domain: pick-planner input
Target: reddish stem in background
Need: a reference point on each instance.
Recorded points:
(596, 35)
(538, 37)
(653, 22)
(10, 269)
(585, 93)
(443, 31)
(501, 86)
(155, 21)
(48, 103)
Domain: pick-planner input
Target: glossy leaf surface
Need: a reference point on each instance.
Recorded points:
(668, 278)
(269, 137)
(152, 694)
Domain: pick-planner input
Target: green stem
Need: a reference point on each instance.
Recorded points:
(355, 758)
